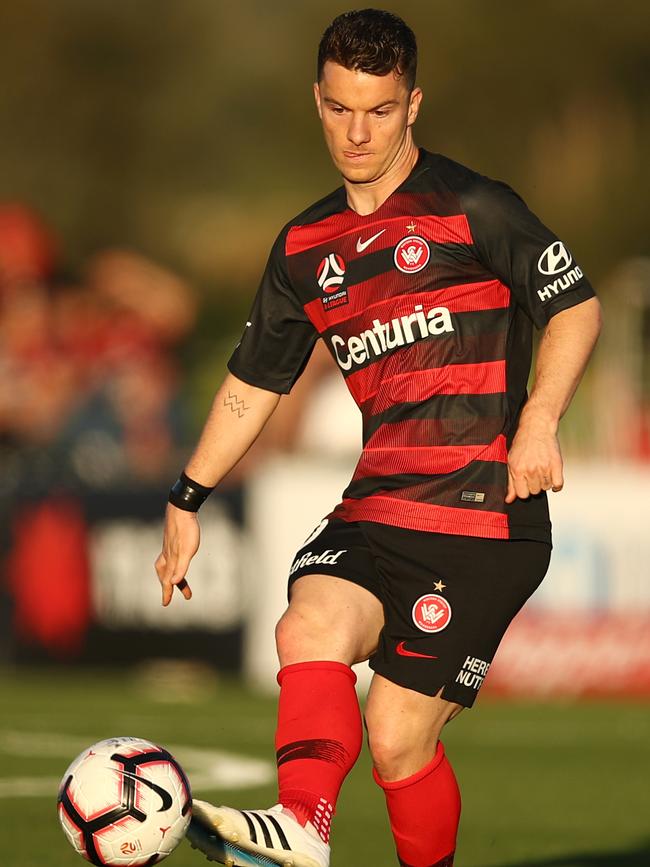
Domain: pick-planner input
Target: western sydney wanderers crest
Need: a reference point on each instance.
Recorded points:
(431, 613)
(412, 254)
(330, 275)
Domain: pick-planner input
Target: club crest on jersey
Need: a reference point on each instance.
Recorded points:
(330, 275)
(412, 254)
(431, 613)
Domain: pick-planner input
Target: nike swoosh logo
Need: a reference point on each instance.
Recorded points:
(361, 245)
(163, 794)
(404, 652)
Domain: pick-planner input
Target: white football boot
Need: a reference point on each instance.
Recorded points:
(243, 838)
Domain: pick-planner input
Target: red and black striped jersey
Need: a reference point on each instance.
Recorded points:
(427, 306)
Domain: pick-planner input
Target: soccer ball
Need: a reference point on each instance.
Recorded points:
(124, 801)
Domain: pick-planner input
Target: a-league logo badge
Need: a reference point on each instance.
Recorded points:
(412, 254)
(331, 272)
(431, 613)
(330, 275)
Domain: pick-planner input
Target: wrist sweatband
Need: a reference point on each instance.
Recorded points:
(187, 494)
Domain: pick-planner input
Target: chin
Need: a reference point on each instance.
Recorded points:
(358, 174)
(357, 178)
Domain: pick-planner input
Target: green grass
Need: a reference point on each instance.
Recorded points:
(544, 785)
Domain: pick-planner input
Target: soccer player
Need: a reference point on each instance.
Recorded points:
(424, 280)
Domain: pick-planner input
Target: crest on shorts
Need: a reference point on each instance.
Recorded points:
(431, 613)
(412, 254)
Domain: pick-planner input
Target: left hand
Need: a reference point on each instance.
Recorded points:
(534, 460)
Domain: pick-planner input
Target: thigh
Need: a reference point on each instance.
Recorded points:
(448, 600)
(330, 618)
(334, 610)
(397, 715)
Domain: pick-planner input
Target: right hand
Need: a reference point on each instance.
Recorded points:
(181, 539)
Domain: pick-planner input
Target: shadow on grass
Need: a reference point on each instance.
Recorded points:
(637, 857)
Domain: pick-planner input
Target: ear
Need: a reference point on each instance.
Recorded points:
(319, 107)
(415, 101)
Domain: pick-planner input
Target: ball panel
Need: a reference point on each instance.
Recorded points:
(96, 788)
(127, 843)
(72, 832)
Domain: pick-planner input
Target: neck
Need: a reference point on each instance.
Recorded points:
(364, 198)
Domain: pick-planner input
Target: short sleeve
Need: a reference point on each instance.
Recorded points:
(522, 252)
(278, 338)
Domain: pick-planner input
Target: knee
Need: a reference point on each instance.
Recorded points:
(394, 755)
(285, 636)
(390, 758)
(298, 628)
(400, 747)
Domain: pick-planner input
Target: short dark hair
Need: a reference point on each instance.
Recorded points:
(372, 41)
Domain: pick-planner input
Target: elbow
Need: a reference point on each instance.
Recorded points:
(597, 319)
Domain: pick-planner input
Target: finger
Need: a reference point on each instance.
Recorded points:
(557, 475)
(522, 491)
(539, 479)
(161, 564)
(167, 592)
(511, 495)
(165, 565)
(162, 568)
(185, 588)
(179, 571)
(535, 482)
(177, 575)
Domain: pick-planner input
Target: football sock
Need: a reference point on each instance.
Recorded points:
(424, 811)
(318, 738)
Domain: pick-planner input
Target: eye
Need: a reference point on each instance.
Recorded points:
(381, 112)
(337, 109)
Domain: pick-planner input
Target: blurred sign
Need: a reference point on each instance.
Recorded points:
(587, 629)
(558, 653)
(125, 591)
(83, 584)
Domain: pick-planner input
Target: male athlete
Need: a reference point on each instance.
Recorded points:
(424, 279)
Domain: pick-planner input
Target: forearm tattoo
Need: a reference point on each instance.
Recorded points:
(235, 404)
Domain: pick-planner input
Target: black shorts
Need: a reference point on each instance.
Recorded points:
(447, 599)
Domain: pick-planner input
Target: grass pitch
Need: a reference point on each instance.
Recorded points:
(544, 785)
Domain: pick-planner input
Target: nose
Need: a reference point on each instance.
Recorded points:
(359, 129)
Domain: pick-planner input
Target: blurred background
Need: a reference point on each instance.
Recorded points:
(149, 154)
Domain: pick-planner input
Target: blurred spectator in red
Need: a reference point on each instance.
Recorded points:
(28, 249)
(155, 303)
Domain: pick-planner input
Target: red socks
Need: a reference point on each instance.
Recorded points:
(424, 811)
(318, 738)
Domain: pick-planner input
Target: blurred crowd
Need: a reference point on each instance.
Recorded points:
(89, 409)
(88, 371)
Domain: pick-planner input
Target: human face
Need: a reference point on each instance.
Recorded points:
(366, 120)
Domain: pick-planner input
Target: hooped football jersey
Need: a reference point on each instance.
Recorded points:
(427, 307)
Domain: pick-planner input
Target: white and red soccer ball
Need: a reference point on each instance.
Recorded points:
(124, 801)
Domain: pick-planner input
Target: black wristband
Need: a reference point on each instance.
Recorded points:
(187, 494)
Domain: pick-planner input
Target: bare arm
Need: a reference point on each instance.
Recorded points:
(535, 460)
(238, 414)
